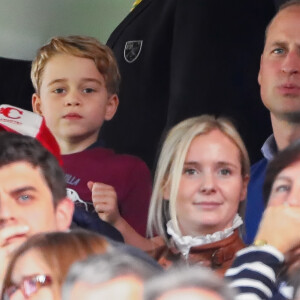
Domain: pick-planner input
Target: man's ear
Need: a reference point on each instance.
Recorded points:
(36, 104)
(64, 214)
(259, 75)
(244, 188)
(111, 107)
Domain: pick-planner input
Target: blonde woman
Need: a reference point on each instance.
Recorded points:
(199, 186)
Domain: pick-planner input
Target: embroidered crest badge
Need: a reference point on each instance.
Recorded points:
(132, 50)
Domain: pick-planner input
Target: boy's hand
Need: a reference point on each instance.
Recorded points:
(11, 237)
(105, 201)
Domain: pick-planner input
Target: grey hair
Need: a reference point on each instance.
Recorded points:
(187, 277)
(98, 269)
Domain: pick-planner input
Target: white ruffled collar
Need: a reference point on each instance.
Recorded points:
(185, 243)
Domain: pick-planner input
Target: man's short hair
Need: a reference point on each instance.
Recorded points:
(20, 148)
(80, 46)
(281, 7)
(187, 277)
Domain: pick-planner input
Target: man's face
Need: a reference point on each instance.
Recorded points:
(279, 75)
(26, 200)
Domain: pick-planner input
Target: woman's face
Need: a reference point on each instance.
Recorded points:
(32, 263)
(211, 185)
(286, 186)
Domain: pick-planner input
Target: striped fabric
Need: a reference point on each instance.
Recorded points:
(254, 274)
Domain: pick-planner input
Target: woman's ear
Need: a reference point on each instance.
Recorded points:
(244, 187)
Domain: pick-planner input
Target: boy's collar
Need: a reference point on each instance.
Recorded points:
(98, 143)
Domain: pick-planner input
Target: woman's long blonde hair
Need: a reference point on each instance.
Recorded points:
(170, 165)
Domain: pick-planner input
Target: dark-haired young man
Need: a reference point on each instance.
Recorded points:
(32, 193)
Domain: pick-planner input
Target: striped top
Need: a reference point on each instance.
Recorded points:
(254, 273)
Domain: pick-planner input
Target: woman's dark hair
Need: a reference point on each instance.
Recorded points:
(283, 159)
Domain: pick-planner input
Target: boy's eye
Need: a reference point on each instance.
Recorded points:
(88, 90)
(59, 91)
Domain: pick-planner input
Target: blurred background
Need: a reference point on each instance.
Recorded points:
(27, 24)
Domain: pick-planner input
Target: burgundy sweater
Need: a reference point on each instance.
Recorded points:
(129, 176)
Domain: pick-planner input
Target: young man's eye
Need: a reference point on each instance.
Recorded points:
(88, 90)
(24, 198)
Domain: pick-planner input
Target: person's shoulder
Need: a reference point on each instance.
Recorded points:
(259, 167)
(261, 163)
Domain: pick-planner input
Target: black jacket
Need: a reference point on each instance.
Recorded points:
(196, 57)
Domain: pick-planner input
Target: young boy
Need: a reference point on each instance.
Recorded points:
(76, 81)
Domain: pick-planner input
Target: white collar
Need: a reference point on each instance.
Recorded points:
(185, 243)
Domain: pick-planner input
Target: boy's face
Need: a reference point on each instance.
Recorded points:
(74, 99)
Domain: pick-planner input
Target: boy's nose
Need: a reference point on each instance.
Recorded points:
(73, 99)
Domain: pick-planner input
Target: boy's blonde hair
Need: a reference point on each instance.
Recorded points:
(80, 46)
(170, 166)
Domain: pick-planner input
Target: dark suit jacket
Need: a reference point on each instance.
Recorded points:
(196, 57)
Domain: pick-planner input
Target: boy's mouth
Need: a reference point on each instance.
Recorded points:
(72, 116)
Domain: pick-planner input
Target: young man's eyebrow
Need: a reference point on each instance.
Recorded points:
(20, 190)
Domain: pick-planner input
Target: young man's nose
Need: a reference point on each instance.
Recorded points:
(7, 210)
(291, 63)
